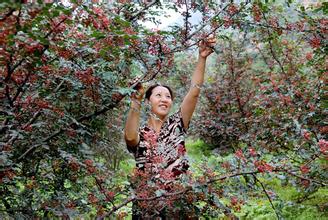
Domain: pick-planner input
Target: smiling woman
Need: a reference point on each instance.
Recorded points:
(159, 145)
(167, 133)
(160, 97)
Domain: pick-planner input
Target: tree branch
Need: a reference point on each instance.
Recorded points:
(117, 208)
(32, 120)
(274, 55)
(267, 195)
(211, 32)
(277, 28)
(11, 103)
(205, 24)
(305, 178)
(135, 16)
(9, 13)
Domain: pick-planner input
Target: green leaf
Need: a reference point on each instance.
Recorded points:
(56, 13)
(98, 34)
(124, 91)
(67, 184)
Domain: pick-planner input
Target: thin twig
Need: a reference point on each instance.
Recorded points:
(31, 149)
(206, 24)
(305, 178)
(32, 120)
(211, 32)
(144, 9)
(267, 195)
(10, 101)
(277, 28)
(274, 55)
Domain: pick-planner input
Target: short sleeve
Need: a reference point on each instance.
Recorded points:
(133, 149)
(177, 118)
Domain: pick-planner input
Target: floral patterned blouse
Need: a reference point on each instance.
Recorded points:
(165, 150)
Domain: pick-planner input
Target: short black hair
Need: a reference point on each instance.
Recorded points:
(150, 90)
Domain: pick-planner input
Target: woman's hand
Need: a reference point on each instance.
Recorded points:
(206, 47)
(140, 91)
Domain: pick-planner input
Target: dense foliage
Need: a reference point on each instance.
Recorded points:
(66, 68)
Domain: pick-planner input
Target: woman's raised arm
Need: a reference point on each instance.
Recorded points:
(131, 131)
(190, 100)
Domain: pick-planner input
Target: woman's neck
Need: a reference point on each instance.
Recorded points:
(155, 122)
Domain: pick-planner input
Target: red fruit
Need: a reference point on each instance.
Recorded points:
(7, 147)
(110, 195)
(284, 42)
(232, 9)
(315, 42)
(252, 152)
(239, 154)
(309, 56)
(100, 211)
(92, 199)
(306, 135)
(263, 166)
(88, 162)
(305, 183)
(42, 104)
(324, 130)
(91, 170)
(117, 97)
(70, 205)
(28, 128)
(71, 133)
(304, 169)
(323, 144)
(234, 201)
(226, 165)
(74, 166)
(257, 13)
(227, 22)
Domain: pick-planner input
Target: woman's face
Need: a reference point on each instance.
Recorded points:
(160, 101)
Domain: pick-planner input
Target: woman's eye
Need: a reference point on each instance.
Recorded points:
(158, 95)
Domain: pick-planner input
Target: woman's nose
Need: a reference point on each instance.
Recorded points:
(164, 99)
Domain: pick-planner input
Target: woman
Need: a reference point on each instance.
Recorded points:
(159, 145)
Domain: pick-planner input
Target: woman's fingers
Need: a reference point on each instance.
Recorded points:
(140, 91)
(202, 44)
(207, 42)
(211, 41)
(206, 46)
